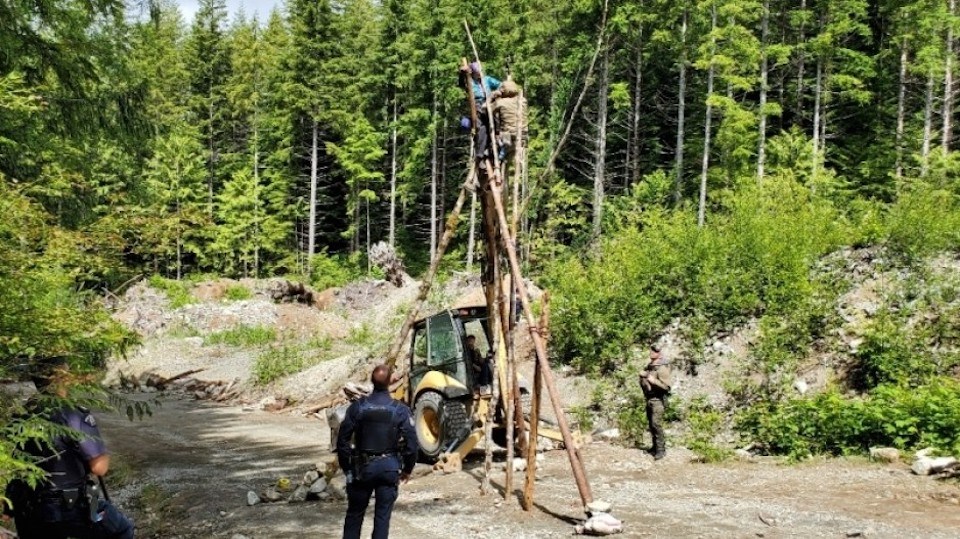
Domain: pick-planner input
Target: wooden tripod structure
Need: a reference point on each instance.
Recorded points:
(500, 238)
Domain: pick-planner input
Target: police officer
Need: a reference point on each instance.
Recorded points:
(655, 382)
(384, 453)
(67, 504)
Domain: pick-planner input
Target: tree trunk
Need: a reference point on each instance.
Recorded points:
(311, 234)
(948, 83)
(633, 150)
(901, 107)
(471, 240)
(816, 115)
(433, 179)
(802, 60)
(442, 174)
(393, 177)
(257, 205)
(927, 127)
(762, 145)
(599, 170)
(681, 102)
(179, 227)
(701, 207)
(212, 160)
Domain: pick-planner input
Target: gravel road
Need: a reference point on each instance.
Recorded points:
(204, 457)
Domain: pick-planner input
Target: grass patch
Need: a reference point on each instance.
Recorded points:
(278, 362)
(242, 336)
(178, 292)
(237, 292)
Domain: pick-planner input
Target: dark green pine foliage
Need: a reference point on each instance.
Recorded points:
(209, 66)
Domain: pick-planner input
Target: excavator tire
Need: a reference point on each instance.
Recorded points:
(439, 423)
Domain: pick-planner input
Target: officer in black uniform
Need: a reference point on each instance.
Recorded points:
(68, 504)
(383, 454)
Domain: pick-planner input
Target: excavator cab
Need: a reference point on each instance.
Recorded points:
(441, 379)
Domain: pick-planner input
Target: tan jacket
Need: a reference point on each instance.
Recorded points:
(658, 383)
(512, 113)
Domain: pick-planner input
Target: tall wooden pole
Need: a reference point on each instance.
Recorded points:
(535, 412)
(576, 464)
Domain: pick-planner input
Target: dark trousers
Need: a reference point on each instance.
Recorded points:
(75, 523)
(485, 375)
(655, 408)
(384, 484)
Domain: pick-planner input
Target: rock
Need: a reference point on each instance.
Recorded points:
(607, 435)
(299, 494)
(223, 513)
(272, 494)
(317, 488)
(743, 454)
(450, 463)
(801, 386)
(601, 524)
(337, 487)
(928, 465)
(310, 477)
(519, 465)
(860, 533)
(253, 498)
(885, 454)
(598, 506)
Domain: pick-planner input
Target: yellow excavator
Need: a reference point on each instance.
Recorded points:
(439, 385)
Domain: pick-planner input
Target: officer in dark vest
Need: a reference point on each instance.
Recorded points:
(70, 503)
(383, 453)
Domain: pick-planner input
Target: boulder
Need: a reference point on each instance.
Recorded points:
(253, 498)
(885, 454)
(931, 465)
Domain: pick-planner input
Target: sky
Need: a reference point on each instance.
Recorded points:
(261, 8)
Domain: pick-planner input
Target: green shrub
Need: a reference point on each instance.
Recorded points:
(361, 336)
(830, 423)
(924, 220)
(242, 336)
(178, 292)
(276, 363)
(705, 422)
(632, 418)
(754, 257)
(237, 292)
(331, 270)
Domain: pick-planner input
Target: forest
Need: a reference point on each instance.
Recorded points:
(690, 160)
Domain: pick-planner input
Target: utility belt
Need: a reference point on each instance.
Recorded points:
(364, 459)
(67, 504)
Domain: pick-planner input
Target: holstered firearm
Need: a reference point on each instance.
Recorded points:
(93, 493)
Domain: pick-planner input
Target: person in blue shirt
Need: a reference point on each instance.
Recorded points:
(377, 450)
(60, 507)
(480, 88)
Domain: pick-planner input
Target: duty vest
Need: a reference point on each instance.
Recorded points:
(377, 428)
